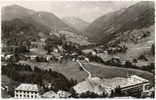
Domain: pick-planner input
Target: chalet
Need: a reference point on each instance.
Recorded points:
(26, 90)
(63, 94)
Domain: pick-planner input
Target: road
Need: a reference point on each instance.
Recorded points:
(81, 65)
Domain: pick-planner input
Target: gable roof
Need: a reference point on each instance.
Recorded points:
(27, 87)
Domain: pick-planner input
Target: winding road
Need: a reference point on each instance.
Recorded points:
(81, 65)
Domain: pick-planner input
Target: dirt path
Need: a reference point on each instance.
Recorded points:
(81, 65)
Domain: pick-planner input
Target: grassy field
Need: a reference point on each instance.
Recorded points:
(69, 69)
(104, 71)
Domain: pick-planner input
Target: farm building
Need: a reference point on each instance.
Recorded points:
(49, 94)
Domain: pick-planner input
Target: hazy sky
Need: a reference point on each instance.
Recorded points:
(85, 10)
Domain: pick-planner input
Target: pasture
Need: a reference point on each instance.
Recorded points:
(104, 71)
(69, 69)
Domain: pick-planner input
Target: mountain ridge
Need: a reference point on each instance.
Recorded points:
(76, 23)
(136, 16)
(45, 18)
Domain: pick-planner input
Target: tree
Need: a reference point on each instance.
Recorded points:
(128, 64)
(142, 57)
(117, 92)
(52, 42)
(73, 92)
(153, 49)
(89, 94)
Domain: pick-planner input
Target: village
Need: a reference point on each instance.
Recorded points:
(55, 50)
(68, 49)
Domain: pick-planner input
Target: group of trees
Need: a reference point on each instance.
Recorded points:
(25, 74)
(41, 59)
(89, 94)
(53, 41)
(117, 92)
(94, 58)
(117, 62)
(129, 64)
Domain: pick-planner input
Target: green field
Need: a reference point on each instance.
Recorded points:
(69, 69)
(103, 71)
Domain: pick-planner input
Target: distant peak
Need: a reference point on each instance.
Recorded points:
(13, 6)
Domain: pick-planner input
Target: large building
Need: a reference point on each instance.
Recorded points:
(25, 90)
(132, 84)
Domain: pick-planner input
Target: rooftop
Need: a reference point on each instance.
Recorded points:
(49, 94)
(27, 87)
(98, 85)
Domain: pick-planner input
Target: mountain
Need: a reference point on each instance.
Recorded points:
(44, 18)
(76, 23)
(14, 11)
(25, 28)
(111, 26)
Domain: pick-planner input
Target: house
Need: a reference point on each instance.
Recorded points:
(48, 57)
(56, 55)
(89, 51)
(63, 94)
(55, 50)
(38, 44)
(26, 90)
(8, 56)
(141, 63)
(59, 94)
(33, 57)
(49, 94)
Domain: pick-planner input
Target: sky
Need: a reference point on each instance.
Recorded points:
(86, 10)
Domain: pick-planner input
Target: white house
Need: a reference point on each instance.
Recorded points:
(26, 90)
(49, 94)
(63, 94)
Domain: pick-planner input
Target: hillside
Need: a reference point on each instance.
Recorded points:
(73, 37)
(44, 18)
(22, 28)
(76, 23)
(109, 26)
(14, 11)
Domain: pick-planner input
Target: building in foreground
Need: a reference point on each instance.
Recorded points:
(132, 85)
(58, 94)
(25, 90)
